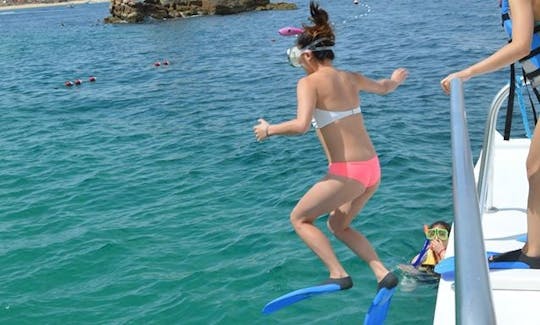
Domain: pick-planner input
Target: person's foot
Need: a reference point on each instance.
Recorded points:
(344, 283)
(532, 262)
(389, 281)
(516, 256)
(511, 256)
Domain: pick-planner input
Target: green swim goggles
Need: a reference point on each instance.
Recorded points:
(433, 233)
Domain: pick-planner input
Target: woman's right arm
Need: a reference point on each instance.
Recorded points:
(522, 31)
(306, 97)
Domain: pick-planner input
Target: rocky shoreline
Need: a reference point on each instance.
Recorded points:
(136, 11)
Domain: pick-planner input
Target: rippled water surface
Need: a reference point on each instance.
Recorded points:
(144, 198)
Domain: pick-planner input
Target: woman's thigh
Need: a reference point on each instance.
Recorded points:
(325, 196)
(342, 216)
(533, 159)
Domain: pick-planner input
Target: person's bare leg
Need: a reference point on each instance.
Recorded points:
(530, 253)
(323, 197)
(339, 224)
(532, 248)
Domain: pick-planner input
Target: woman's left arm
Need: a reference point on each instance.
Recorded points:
(382, 86)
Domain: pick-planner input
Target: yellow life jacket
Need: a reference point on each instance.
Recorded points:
(430, 259)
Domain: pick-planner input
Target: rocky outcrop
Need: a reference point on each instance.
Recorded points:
(134, 11)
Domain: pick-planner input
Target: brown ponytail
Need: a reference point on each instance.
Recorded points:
(320, 30)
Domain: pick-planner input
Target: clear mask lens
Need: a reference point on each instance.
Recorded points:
(293, 55)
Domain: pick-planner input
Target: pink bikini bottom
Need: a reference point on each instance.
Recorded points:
(366, 172)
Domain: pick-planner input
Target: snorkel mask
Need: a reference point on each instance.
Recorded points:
(294, 53)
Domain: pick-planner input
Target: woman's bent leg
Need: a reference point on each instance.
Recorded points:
(323, 197)
(339, 223)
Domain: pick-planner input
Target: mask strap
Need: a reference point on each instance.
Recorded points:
(312, 46)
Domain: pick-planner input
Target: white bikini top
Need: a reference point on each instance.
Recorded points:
(322, 118)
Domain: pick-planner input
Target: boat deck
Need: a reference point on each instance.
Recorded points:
(515, 292)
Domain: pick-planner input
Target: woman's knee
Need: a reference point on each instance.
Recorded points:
(336, 223)
(533, 168)
(297, 219)
(533, 158)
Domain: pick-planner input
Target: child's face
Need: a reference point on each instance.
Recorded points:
(438, 232)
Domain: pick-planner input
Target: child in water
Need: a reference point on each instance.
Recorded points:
(437, 236)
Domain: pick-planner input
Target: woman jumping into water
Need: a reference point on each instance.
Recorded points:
(330, 97)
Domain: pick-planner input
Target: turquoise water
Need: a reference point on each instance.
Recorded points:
(143, 198)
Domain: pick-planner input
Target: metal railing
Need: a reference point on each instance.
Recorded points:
(474, 305)
(486, 160)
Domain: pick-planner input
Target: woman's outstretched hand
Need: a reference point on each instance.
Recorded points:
(261, 130)
(399, 75)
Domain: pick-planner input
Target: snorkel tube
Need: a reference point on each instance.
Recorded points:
(290, 31)
(422, 252)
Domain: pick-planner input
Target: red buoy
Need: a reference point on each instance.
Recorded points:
(68, 83)
(78, 82)
(165, 62)
(157, 64)
(92, 79)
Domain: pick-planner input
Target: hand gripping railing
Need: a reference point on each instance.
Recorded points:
(473, 301)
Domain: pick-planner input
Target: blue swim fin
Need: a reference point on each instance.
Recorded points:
(522, 238)
(379, 307)
(298, 295)
(446, 266)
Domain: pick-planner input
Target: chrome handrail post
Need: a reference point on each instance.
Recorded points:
(473, 306)
(486, 160)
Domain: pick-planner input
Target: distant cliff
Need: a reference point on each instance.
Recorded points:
(134, 11)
